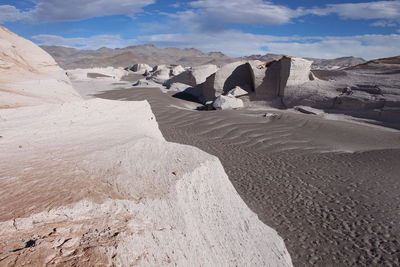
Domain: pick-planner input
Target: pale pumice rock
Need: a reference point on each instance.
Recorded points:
(176, 70)
(141, 68)
(82, 177)
(29, 76)
(227, 102)
(109, 73)
(238, 91)
(228, 77)
(159, 67)
(146, 83)
(194, 76)
(179, 87)
(160, 76)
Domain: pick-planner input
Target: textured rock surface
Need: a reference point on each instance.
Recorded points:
(228, 77)
(238, 91)
(28, 75)
(194, 76)
(94, 73)
(176, 70)
(76, 186)
(140, 68)
(227, 102)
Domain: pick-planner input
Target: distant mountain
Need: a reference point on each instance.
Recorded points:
(337, 63)
(266, 57)
(70, 58)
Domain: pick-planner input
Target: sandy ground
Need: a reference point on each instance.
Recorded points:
(330, 188)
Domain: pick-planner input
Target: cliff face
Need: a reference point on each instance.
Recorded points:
(28, 75)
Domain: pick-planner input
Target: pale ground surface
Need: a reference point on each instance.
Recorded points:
(94, 183)
(330, 187)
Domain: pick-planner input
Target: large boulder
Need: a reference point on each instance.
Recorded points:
(194, 76)
(227, 102)
(29, 76)
(141, 68)
(159, 67)
(95, 182)
(228, 77)
(272, 79)
(161, 76)
(238, 91)
(176, 70)
(109, 73)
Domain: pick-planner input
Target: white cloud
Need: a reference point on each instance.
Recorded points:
(70, 10)
(368, 10)
(243, 12)
(9, 13)
(383, 23)
(235, 43)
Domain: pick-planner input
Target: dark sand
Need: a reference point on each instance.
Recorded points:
(331, 208)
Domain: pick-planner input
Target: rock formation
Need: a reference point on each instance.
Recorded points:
(194, 76)
(95, 183)
(94, 73)
(227, 78)
(140, 68)
(176, 70)
(29, 76)
(227, 102)
(97, 198)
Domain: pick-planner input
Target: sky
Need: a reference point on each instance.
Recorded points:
(309, 28)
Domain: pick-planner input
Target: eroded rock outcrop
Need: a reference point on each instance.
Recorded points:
(141, 68)
(91, 195)
(227, 102)
(29, 76)
(194, 76)
(109, 73)
(227, 78)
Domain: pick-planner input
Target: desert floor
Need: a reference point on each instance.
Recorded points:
(330, 188)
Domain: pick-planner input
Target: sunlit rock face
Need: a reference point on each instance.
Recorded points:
(29, 76)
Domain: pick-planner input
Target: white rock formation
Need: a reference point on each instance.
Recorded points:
(179, 87)
(28, 75)
(109, 73)
(227, 102)
(95, 181)
(161, 76)
(238, 91)
(159, 67)
(297, 70)
(228, 77)
(141, 68)
(176, 70)
(146, 83)
(194, 76)
(272, 80)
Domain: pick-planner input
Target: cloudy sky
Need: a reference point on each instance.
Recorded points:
(323, 28)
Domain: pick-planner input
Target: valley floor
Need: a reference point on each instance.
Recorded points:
(330, 188)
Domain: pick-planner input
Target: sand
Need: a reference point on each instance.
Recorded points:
(329, 187)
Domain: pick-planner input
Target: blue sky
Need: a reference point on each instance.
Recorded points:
(309, 28)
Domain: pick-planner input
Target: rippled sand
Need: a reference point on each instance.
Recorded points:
(330, 188)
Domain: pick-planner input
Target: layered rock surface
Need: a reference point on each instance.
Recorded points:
(80, 182)
(29, 76)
